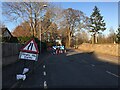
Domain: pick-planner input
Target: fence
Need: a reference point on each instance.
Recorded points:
(10, 52)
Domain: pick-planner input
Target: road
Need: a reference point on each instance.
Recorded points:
(73, 70)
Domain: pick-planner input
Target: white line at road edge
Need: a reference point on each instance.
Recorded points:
(45, 85)
(112, 74)
(44, 73)
(43, 66)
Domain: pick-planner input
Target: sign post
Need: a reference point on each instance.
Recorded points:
(28, 52)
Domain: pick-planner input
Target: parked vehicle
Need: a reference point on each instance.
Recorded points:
(58, 49)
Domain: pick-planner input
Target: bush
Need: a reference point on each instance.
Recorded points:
(23, 40)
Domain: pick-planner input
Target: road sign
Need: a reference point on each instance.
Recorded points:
(28, 56)
(30, 47)
(29, 51)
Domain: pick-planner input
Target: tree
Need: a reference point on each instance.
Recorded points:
(2, 25)
(53, 32)
(102, 39)
(118, 35)
(112, 36)
(71, 20)
(29, 12)
(97, 24)
(45, 23)
(62, 32)
(81, 37)
(22, 30)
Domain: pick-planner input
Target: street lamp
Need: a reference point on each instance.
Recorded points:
(41, 29)
(44, 5)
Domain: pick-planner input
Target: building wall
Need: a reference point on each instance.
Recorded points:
(111, 49)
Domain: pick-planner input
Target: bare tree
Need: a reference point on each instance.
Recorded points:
(46, 22)
(111, 38)
(29, 12)
(72, 20)
(53, 31)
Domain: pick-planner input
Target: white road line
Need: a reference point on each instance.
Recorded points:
(45, 85)
(93, 65)
(84, 61)
(43, 66)
(112, 74)
(44, 73)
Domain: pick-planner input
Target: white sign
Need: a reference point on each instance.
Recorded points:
(28, 56)
(25, 70)
(19, 76)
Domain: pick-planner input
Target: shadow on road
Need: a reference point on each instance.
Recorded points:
(90, 56)
(81, 70)
(69, 70)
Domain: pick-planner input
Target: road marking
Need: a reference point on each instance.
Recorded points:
(84, 61)
(112, 74)
(44, 73)
(43, 66)
(93, 65)
(45, 85)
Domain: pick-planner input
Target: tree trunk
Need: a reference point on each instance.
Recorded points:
(96, 39)
(93, 39)
(66, 42)
(68, 39)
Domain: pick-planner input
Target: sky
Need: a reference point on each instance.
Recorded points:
(108, 9)
(62, 0)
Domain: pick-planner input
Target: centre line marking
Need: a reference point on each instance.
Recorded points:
(44, 73)
(112, 74)
(84, 61)
(43, 66)
(45, 85)
(93, 65)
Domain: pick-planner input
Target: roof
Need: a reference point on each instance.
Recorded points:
(5, 32)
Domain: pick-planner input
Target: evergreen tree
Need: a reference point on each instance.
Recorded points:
(97, 24)
(118, 35)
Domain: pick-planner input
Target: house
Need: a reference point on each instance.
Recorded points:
(6, 35)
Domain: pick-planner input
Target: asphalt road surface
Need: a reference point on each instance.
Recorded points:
(73, 70)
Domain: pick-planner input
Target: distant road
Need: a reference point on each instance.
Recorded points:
(73, 70)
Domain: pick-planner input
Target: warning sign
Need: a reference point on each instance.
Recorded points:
(29, 51)
(31, 47)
